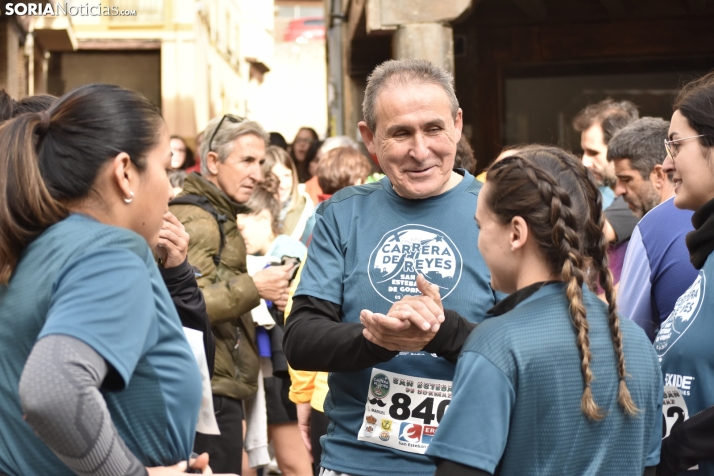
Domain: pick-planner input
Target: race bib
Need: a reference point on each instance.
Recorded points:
(403, 412)
(674, 409)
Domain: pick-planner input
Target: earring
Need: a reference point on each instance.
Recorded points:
(130, 199)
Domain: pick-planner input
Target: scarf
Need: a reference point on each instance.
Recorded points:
(700, 242)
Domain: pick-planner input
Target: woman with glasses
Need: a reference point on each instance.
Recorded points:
(684, 342)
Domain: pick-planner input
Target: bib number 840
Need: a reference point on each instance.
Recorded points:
(400, 408)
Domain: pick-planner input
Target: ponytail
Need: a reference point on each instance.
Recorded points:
(26, 206)
(52, 158)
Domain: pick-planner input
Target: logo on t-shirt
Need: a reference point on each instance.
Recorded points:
(410, 432)
(410, 250)
(415, 433)
(683, 315)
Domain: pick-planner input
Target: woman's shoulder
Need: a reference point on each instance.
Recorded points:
(78, 235)
(543, 312)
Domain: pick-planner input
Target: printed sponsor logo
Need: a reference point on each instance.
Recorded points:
(683, 315)
(413, 433)
(410, 432)
(410, 250)
(384, 436)
(379, 386)
(428, 434)
(371, 420)
(368, 430)
(387, 424)
(682, 382)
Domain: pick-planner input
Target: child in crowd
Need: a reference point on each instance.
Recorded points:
(296, 207)
(265, 246)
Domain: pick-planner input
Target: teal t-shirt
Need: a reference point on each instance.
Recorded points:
(517, 391)
(684, 346)
(368, 246)
(99, 284)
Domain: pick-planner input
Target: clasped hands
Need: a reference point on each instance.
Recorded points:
(410, 324)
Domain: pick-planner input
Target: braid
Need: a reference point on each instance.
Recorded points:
(598, 252)
(564, 223)
(558, 197)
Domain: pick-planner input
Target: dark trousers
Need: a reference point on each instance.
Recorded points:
(318, 428)
(225, 450)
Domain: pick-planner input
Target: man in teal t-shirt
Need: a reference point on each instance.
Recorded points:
(369, 245)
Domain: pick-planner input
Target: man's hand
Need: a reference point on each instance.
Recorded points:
(426, 311)
(304, 410)
(272, 283)
(410, 324)
(173, 242)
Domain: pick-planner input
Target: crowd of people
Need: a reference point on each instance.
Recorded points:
(342, 309)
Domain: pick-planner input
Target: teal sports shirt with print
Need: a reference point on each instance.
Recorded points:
(517, 392)
(684, 346)
(368, 246)
(99, 284)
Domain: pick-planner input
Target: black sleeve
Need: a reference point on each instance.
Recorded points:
(316, 339)
(447, 343)
(188, 299)
(650, 471)
(689, 442)
(621, 218)
(450, 468)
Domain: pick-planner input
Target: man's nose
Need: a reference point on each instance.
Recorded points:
(587, 161)
(620, 188)
(256, 172)
(420, 148)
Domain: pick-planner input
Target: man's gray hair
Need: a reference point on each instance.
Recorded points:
(405, 71)
(642, 142)
(226, 135)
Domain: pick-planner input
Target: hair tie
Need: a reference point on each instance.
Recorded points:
(44, 124)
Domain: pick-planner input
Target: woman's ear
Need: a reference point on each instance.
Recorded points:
(519, 233)
(125, 175)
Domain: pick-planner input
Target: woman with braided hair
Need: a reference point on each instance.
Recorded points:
(554, 383)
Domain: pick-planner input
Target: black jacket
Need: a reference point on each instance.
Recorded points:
(188, 299)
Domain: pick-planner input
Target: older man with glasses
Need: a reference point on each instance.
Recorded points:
(231, 159)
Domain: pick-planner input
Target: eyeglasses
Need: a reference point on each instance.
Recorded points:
(668, 142)
(231, 117)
